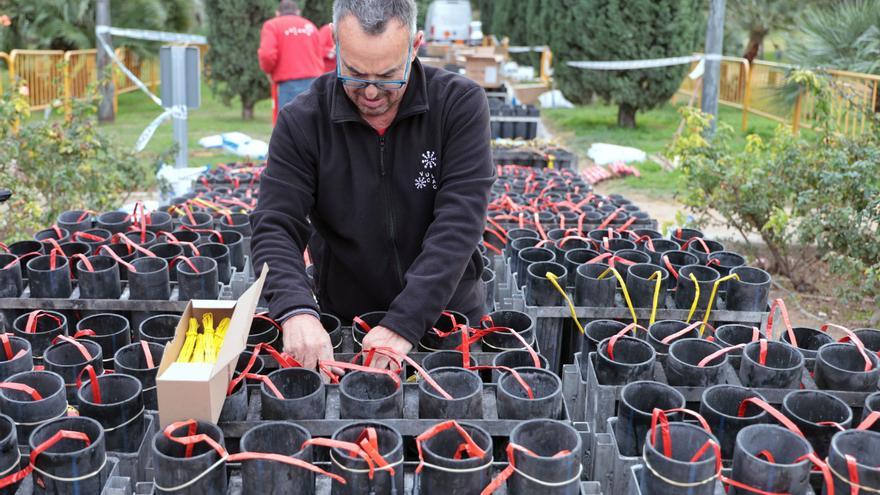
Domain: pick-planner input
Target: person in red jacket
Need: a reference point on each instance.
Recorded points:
(290, 52)
(329, 46)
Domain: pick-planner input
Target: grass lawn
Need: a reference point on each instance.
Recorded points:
(136, 111)
(580, 127)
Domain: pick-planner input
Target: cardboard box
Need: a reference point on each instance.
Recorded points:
(485, 70)
(528, 94)
(436, 50)
(484, 51)
(197, 390)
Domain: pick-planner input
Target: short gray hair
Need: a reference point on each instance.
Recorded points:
(374, 15)
(288, 7)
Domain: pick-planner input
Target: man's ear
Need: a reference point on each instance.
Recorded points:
(418, 42)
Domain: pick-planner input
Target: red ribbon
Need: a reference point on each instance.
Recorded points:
(35, 316)
(148, 356)
(116, 257)
(93, 382)
(468, 445)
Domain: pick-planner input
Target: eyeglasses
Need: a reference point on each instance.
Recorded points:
(355, 83)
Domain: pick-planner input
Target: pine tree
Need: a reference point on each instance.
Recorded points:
(320, 12)
(234, 35)
(486, 10)
(622, 30)
(423, 12)
(510, 19)
(180, 15)
(537, 30)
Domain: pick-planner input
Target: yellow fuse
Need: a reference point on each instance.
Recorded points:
(220, 334)
(208, 323)
(189, 344)
(199, 352)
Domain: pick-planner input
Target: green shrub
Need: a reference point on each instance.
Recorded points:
(54, 165)
(807, 197)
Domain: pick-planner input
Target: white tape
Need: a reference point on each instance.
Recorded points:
(177, 111)
(640, 64)
(74, 479)
(143, 87)
(140, 414)
(14, 465)
(193, 480)
(387, 467)
(525, 49)
(549, 484)
(145, 34)
(698, 71)
(457, 470)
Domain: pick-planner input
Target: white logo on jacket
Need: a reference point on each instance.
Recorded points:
(306, 30)
(426, 176)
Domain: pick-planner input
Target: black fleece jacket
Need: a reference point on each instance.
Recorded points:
(399, 215)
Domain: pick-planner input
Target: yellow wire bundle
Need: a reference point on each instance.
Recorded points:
(186, 353)
(204, 346)
(220, 336)
(210, 353)
(199, 352)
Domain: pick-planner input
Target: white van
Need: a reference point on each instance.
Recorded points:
(448, 20)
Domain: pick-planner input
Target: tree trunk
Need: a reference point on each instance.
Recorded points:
(247, 110)
(626, 116)
(756, 39)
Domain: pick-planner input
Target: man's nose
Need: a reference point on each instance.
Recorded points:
(371, 92)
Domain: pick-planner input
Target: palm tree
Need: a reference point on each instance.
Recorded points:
(845, 37)
(758, 18)
(70, 24)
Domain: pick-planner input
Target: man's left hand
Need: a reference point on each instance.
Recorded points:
(381, 337)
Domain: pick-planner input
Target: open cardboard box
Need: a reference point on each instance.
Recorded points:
(197, 390)
(528, 94)
(484, 69)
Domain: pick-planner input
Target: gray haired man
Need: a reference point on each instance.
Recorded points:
(388, 162)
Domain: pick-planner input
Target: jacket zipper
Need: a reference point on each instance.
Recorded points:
(391, 223)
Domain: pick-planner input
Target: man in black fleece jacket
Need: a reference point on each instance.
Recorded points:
(388, 163)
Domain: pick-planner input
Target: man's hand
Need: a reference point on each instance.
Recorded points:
(381, 337)
(306, 340)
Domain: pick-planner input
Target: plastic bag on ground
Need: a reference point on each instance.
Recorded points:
(554, 99)
(604, 154)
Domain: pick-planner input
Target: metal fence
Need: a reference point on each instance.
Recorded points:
(79, 73)
(43, 74)
(760, 88)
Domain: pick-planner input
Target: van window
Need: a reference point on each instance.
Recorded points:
(448, 20)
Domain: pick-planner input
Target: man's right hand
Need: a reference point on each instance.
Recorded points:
(306, 340)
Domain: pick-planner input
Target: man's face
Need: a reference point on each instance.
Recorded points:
(381, 57)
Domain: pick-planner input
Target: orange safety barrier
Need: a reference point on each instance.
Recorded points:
(42, 72)
(79, 74)
(54, 77)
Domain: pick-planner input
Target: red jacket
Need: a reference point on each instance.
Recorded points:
(290, 48)
(329, 48)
